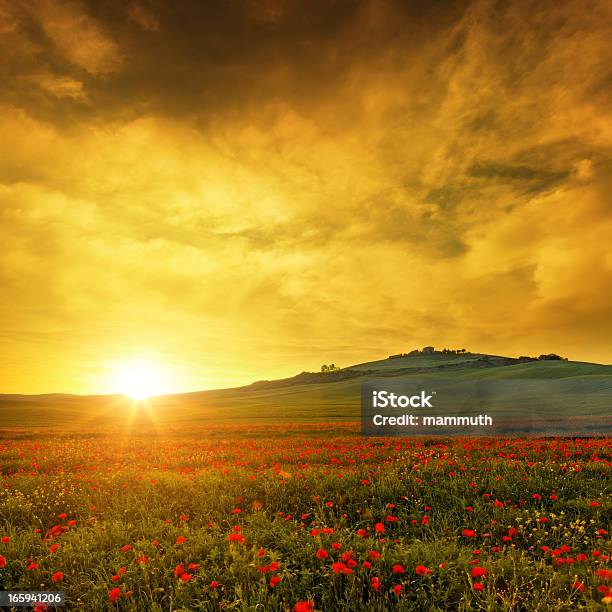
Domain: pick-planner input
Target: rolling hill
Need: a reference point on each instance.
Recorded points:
(571, 389)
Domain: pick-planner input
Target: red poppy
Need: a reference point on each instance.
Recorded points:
(5, 539)
(604, 574)
(398, 569)
(322, 553)
(53, 548)
(275, 580)
(477, 572)
(114, 594)
(2, 562)
(341, 568)
(379, 528)
(578, 586)
(421, 570)
(181, 540)
(186, 577)
(126, 548)
(468, 533)
(398, 588)
(57, 577)
(376, 583)
(214, 584)
(478, 586)
(236, 537)
(303, 606)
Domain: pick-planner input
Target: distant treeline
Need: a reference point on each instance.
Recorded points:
(430, 350)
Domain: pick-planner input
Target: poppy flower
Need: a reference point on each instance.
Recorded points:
(261, 552)
(477, 572)
(275, 580)
(303, 606)
(379, 528)
(468, 533)
(185, 577)
(421, 570)
(322, 553)
(376, 583)
(53, 548)
(2, 562)
(126, 548)
(214, 584)
(179, 569)
(57, 577)
(578, 586)
(114, 594)
(398, 569)
(5, 539)
(604, 574)
(181, 540)
(341, 568)
(478, 586)
(397, 589)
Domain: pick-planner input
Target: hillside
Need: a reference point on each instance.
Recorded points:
(572, 388)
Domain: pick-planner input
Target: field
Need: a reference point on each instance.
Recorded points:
(305, 517)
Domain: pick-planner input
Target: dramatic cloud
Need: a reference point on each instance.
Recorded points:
(249, 189)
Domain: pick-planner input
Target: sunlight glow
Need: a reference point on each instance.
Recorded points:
(139, 379)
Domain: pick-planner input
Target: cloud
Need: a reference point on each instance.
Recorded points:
(253, 189)
(79, 37)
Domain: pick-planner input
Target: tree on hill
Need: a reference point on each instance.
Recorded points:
(329, 368)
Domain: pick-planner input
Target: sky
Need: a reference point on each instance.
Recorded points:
(246, 189)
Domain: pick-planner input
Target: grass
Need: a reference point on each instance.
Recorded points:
(573, 388)
(268, 499)
(87, 505)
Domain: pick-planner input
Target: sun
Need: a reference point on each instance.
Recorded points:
(139, 379)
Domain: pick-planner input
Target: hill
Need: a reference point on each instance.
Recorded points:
(571, 388)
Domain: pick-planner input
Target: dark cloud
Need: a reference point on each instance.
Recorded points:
(273, 177)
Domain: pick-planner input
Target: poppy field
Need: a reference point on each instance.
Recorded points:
(309, 517)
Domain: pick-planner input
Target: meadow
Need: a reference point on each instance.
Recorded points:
(305, 517)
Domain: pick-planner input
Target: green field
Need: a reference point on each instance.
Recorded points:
(574, 388)
(266, 497)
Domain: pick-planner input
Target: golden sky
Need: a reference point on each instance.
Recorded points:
(247, 189)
